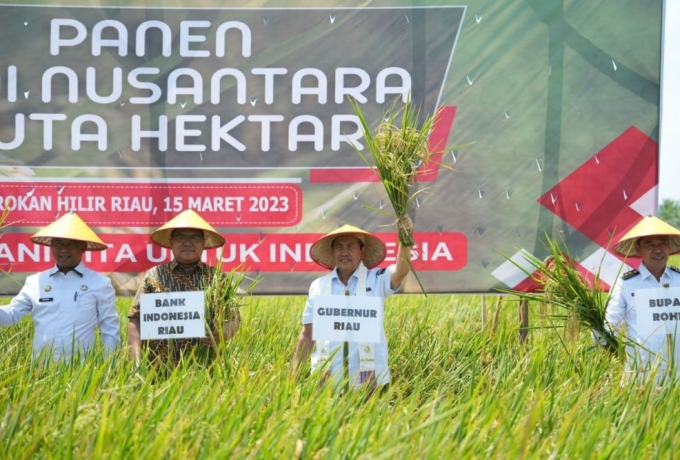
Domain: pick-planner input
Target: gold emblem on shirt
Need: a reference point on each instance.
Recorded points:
(83, 287)
(48, 288)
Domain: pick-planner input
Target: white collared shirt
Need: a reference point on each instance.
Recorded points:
(377, 285)
(66, 309)
(621, 307)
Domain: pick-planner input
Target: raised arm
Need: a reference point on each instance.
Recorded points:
(403, 265)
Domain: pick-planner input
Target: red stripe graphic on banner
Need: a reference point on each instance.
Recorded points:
(529, 284)
(437, 143)
(596, 198)
(342, 175)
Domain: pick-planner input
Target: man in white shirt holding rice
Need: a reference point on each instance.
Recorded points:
(653, 241)
(352, 254)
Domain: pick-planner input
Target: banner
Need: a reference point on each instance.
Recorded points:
(128, 114)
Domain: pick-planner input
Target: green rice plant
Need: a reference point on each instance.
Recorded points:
(456, 392)
(224, 296)
(580, 302)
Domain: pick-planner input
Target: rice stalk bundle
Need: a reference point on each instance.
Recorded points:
(397, 149)
(579, 302)
(224, 296)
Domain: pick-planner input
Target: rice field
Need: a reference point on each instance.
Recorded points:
(460, 389)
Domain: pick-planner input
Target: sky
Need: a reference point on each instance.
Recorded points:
(669, 164)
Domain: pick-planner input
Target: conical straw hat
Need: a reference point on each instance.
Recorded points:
(648, 226)
(322, 252)
(69, 226)
(187, 219)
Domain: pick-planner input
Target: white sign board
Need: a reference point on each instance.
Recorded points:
(658, 315)
(172, 315)
(657, 311)
(347, 318)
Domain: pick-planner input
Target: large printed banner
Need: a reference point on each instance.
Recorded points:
(129, 114)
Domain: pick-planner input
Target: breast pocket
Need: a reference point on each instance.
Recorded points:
(85, 307)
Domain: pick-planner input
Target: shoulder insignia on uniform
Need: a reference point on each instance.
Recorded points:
(380, 272)
(674, 268)
(630, 274)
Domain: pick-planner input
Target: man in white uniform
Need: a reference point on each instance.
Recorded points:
(654, 241)
(68, 301)
(352, 254)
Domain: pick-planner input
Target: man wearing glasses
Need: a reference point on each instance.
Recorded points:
(187, 235)
(67, 302)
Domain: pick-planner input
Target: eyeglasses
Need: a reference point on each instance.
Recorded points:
(185, 238)
(65, 244)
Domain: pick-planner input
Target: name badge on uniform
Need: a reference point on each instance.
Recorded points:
(46, 299)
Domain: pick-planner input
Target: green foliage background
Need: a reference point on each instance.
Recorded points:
(460, 389)
(669, 212)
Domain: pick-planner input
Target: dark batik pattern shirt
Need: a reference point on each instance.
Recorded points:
(171, 277)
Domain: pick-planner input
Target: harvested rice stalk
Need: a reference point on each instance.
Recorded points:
(578, 301)
(398, 147)
(223, 298)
